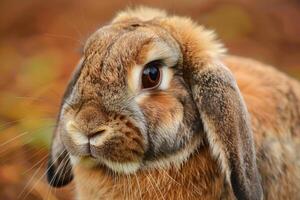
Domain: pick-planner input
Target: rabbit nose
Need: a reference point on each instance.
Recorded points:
(91, 121)
(99, 131)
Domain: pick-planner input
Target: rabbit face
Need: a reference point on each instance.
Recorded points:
(143, 94)
(129, 107)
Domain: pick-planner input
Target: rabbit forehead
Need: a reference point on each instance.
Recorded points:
(112, 51)
(127, 43)
(109, 53)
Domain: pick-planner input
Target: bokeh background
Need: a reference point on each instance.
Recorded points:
(40, 44)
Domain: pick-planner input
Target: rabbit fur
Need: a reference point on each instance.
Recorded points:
(217, 126)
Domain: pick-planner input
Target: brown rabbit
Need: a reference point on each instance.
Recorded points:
(155, 110)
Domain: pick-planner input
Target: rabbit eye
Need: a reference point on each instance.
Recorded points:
(151, 76)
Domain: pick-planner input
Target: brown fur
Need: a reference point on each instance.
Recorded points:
(203, 182)
(246, 135)
(273, 101)
(280, 174)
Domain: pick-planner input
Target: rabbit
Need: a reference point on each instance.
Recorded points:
(156, 109)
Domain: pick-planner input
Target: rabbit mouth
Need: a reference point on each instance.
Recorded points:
(121, 150)
(111, 153)
(132, 166)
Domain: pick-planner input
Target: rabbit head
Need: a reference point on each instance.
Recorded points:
(146, 93)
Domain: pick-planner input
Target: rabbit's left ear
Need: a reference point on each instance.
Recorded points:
(227, 124)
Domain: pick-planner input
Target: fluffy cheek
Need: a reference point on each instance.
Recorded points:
(121, 143)
(164, 115)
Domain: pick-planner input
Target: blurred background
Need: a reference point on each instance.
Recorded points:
(40, 43)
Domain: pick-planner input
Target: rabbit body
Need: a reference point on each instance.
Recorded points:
(273, 101)
(215, 127)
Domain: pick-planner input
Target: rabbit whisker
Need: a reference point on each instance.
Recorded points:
(39, 179)
(157, 197)
(12, 139)
(28, 183)
(157, 186)
(36, 164)
(139, 187)
(64, 165)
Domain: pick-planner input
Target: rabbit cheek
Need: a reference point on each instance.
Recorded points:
(164, 115)
(121, 146)
(74, 140)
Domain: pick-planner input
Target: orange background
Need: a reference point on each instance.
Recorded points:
(40, 43)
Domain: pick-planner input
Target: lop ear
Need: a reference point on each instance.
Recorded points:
(59, 170)
(227, 125)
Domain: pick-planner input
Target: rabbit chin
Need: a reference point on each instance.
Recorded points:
(174, 160)
(89, 162)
